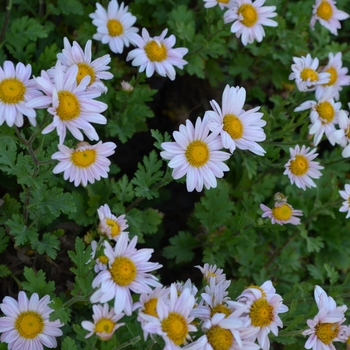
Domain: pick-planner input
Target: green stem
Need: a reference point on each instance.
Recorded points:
(6, 21)
(73, 301)
(130, 342)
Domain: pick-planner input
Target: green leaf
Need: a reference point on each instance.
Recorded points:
(4, 239)
(4, 271)
(9, 207)
(315, 272)
(182, 23)
(123, 189)
(151, 220)
(160, 138)
(251, 166)
(49, 244)
(8, 155)
(36, 282)
(181, 247)
(80, 216)
(69, 344)
(68, 7)
(21, 233)
(60, 312)
(332, 273)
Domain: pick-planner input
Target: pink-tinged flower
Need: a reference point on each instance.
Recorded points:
(249, 18)
(326, 327)
(16, 89)
(346, 204)
(300, 168)
(110, 225)
(157, 54)
(342, 136)
(72, 107)
(305, 73)
(267, 291)
(114, 26)
(221, 3)
(85, 163)
(27, 324)
(211, 271)
(105, 322)
(128, 271)
(281, 214)
(197, 155)
(329, 16)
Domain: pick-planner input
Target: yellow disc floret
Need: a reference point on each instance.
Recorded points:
(68, 105)
(220, 338)
(326, 111)
(334, 76)
(324, 10)
(83, 158)
(176, 328)
(299, 166)
(83, 71)
(220, 308)
(29, 324)
(263, 294)
(12, 91)
(326, 332)
(150, 307)
(114, 227)
(123, 271)
(115, 28)
(156, 51)
(249, 13)
(308, 73)
(104, 325)
(233, 126)
(103, 259)
(197, 153)
(283, 212)
(261, 313)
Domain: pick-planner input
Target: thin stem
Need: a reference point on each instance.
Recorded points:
(130, 342)
(6, 21)
(73, 301)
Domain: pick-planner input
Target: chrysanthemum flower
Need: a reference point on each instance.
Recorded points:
(16, 89)
(211, 271)
(249, 18)
(267, 291)
(197, 155)
(114, 26)
(86, 163)
(174, 322)
(72, 107)
(329, 16)
(97, 69)
(157, 54)
(346, 204)
(105, 322)
(281, 214)
(323, 116)
(238, 128)
(300, 168)
(305, 73)
(27, 324)
(222, 3)
(128, 270)
(338, 76)
(326, 327)
(111, 225)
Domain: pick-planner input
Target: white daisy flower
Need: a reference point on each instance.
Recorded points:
(338, 76)
(282, 214)
(114, 26)
(249, 18)
(222, 3)
(110, 225)
(97, 69)
(346, 204)
(305, 73)
(126, 86)
(342, 136)
(197, 155)
(72, 107)
(157, 54)
(180, 286)
(86, 163)
(27, 324)
(105, 322)
(300, 168)
(101, 263)
(210, 271)
(267, 291)
(326, 327)
(237, 127)
(329, 16)
(128, 270)
(16, 89)
(174, 322)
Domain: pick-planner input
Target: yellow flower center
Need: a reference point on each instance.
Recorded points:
(68, 105)
(261, 313)
(156, 52)
(83, 71)
(326, 112)
(334, 76)
(83, 158)
(299, 166)
(29, 324)
(283, 212)
(348, 342)
(114, 226)
(224, 1)
(12, 91)
(324, 10)
(175, 326)
(123, 271)
(150, 307)
(115, 28)
(103, 259)
(263, 294)
(249, 13)
(308, 73)
(221, 308)
(347, 134)
(220, 338)
(197, 153)
(326, 332)
(233, 126)
(104, 325)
